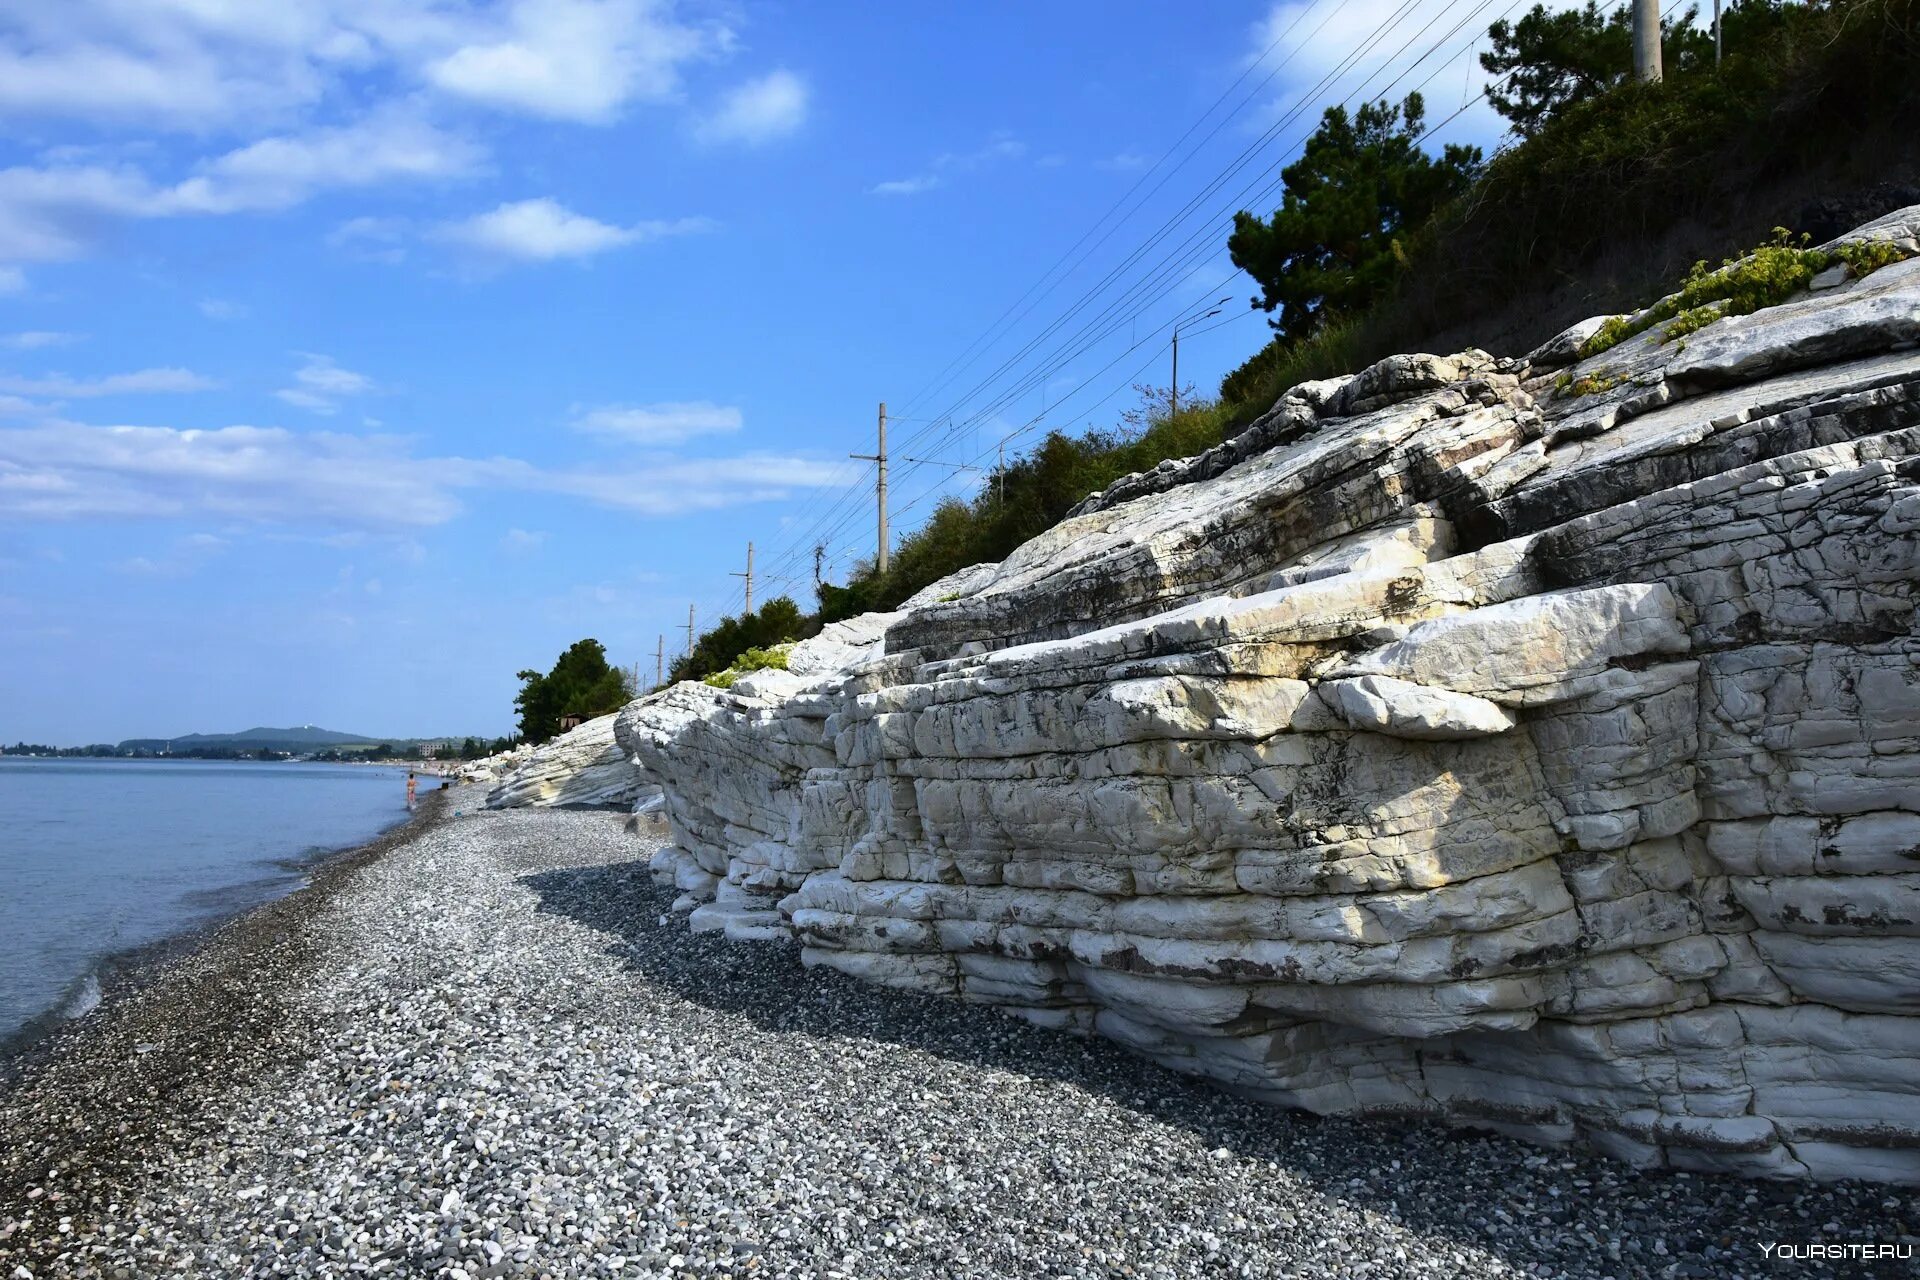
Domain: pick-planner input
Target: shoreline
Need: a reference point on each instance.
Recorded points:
(124, 970)
(179, 1020)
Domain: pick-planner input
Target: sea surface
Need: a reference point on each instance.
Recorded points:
(98, 857)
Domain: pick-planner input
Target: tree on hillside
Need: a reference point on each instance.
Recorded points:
(580, 684)
(1553, 58)
(1361, 184)
(777, 621)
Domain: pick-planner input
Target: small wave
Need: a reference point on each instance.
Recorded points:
(82, 998)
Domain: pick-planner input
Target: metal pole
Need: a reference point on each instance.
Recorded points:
(660, 660)
(748, 575)
(879, 488)
(1001, 474)
(1646, 40)
(1716, 33)
(1173, 400)
(689, 631)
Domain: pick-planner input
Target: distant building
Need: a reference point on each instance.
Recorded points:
(430, 750)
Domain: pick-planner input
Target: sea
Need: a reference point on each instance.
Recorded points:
(99, 858)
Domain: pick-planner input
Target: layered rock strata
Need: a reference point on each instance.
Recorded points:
(1530, 743)
(581, 768)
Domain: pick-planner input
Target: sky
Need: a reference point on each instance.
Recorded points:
(358, 354)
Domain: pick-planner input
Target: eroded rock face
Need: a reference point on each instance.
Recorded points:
(1447, 745)
(583, 766)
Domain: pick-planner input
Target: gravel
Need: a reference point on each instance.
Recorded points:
(493, 1052)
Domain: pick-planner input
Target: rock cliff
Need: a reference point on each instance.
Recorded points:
(1533, 743)
(583, 767)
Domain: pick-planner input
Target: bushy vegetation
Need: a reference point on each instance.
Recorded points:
(581, 684)
(1379, 246)
(1766, 277)
(752, 660)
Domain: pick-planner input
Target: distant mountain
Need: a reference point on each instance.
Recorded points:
(305, 738)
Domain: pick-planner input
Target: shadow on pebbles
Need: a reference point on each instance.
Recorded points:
(491, 1052)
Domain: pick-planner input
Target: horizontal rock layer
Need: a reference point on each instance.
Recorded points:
(1452, 744)
(583, 767)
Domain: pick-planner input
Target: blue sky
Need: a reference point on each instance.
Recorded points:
(355, 354)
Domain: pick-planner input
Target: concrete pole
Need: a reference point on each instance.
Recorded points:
(748, 575)
(881, 489)
(1646, 40)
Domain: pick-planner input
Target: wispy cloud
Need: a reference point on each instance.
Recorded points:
(186, 557)
(523, 542)
(210, 64)
(948, 165)
(544, 230)
(58, 211)
(61, 470)
(773, 106)
(37, 339)
(658, 424)
(59, 386)
(220, 309)
(320, 384)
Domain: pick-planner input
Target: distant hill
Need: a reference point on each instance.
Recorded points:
(300, 740)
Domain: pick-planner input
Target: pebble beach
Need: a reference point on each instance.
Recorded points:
(485, 1047)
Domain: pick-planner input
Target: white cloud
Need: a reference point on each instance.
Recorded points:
(278, 172)
(659, 424)
(321, 384)
(144, 382)
(219, 309)
(57, 212)
(34, 340)
(200, 65)
(1314, 43)
(543, 230)
(12, 281)
(66, 470)
(579, 60)
(61, 470)
(949, 164)
(761, 110)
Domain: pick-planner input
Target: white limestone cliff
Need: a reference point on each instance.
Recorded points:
(582, 767)
(1451, 744)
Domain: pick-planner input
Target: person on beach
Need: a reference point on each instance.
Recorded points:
(411, 784)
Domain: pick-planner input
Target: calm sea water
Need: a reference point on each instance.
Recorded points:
(99, 856)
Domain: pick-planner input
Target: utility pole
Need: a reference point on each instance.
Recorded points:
(1173, 400)
(1173, 397)
(880, 487)
(1646, 41)
(660, 661)
(1716, 35)
(689, 631)
(748, 575)
(1000, 476)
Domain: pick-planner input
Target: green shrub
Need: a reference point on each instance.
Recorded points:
(1767, 277)
(749, 662)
